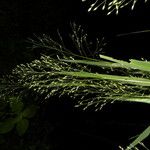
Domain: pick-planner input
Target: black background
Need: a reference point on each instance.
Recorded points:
(21, 19)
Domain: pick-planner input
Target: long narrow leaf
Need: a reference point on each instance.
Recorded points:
(139, 139)
(93, 63)
(123, 79)
(141, 99)
(133, 64)
(141, 65)
(121, 62)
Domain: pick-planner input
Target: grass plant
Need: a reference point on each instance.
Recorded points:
(90, 82)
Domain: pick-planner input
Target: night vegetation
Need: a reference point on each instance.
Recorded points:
(73, 72)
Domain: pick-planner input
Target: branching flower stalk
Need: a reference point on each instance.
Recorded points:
(90, 82)
(112, 5)
(51, 76)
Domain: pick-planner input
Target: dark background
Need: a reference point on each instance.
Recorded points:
(19, 20)
(113, 125)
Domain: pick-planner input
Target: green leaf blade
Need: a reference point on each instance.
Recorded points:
(140, 138)
(141, 65)
(30, 111)
(16, 105)
(22, 126)
(123, 79)
(7, 125)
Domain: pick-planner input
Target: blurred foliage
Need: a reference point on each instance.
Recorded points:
(17, 116)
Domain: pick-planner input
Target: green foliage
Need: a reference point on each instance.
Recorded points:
(90, 82)
(73, 77)
(139, 139)
(29, 112)
(49, 76)
(18, 116)
(16, 105)
(22, 126)
(7, 125)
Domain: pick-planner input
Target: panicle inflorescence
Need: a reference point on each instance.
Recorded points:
(111, 5)
(44, 77)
